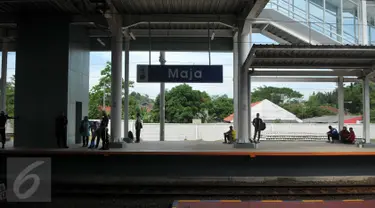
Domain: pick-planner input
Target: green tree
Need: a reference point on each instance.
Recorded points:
(352, 97)
(10, 96)
(275, 94)
(139, 103)
(306, 110)
(183, 104)
(222, 106)
(101, 91)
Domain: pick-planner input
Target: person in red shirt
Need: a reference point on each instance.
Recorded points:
(351, 137)
(344, 134)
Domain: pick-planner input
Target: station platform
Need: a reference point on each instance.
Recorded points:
(274, 203)
(198, 162)
(265, 148)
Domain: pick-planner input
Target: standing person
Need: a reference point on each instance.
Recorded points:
(61, 123)
(104, 131)
(85, 131)
(138, 127)
(3, 121)
(257, 122)
(94, 134)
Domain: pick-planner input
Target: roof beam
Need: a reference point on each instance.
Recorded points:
(306, 73)
(227, 19)
(274, 37)
(249, 59)
(167, 33)
(316, 58)
(299, 79)
(308, 48)
(253, 8)
(311, 66)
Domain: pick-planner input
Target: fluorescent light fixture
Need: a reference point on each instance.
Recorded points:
(213, 36)
(100, 41)
(84, 23)
(132, 35)
(108, 14)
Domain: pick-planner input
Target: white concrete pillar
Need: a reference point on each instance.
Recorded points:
(4, 67)
(363, 22)
(340, 101)
(116, 78)
(366, 109)
(249, 105)
(162, 100)
(235, 81)
(126, 87)
(243, 51)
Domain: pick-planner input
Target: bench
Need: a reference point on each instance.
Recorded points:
(293, 137)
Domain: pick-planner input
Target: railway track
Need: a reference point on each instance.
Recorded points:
(216, 191)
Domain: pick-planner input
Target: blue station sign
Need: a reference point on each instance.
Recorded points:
(180, 73)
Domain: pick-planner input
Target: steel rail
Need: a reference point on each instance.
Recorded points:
(242, 191)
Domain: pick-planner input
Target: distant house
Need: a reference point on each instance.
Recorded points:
(348, 119)
(269, 112)
(107, 109)
(147, 106)
(331, 109)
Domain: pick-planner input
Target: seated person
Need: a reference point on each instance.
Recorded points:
(229, 136)
(332, 134)
(344, 134)
(351, 138)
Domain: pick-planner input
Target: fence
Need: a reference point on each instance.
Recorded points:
(214, 131)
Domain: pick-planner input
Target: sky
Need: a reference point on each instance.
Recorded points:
(98, 61)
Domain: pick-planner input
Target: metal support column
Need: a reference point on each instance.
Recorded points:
(235, 81)
(4, 67)
(364, 26)
(116, 78)
(162, 100)
(249, 106)
(243, 50)
(366, 109)
(340, 101)
(340, 25)
(209, 44)
(126, 87)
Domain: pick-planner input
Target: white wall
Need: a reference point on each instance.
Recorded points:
(213, 132)
(78, 81)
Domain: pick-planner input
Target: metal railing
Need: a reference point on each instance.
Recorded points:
(311, 21)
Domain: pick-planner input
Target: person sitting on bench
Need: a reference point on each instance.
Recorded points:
(333, 134)
(229, 136)
(351, 138)
(344, 134)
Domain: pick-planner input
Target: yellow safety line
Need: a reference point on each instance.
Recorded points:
(229, 201)
(353, 200)
(312, 200)
(271, 201)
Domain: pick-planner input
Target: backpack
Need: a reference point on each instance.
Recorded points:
(262, 126)
(130, 135)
